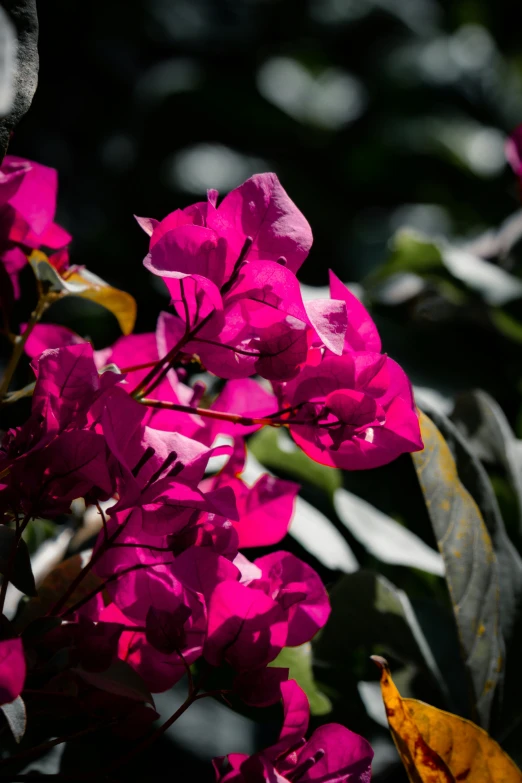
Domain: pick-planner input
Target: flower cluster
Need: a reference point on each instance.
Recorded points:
(125, 430)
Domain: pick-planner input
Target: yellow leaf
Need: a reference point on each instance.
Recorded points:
(438, 747)
(78, 281)
(120, 303)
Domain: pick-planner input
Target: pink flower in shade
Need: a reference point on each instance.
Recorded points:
(12, 670)
(129, 353)
(55, 457)
(158, 473)
(265, 509)
(295, 587)
(333, 754)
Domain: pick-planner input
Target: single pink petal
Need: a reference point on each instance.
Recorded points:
(330, 320)
(12, 669)
(361, 334)
(262, 210)
(296, 710)
(265, 511)
(188, 250)
(147, 224)
(44, 336)
(67, 379)
(14, 260)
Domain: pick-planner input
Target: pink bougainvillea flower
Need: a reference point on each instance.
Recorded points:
(265, 509)
(246, 627)
(262, 327)
(261, 209)
(333, 754)
(12, 670)
(159, 471)
(297, 589)
(353, 411)
(258, 214)
(55, 457)
(29, 212)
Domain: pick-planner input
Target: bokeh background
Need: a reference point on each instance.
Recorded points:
(376, 115)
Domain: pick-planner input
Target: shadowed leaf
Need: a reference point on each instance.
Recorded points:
(471, 567)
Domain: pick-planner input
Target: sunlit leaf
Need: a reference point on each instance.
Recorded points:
(471, 566)
(438, 747)
(298, 660)
(78, 281)
(384, 537)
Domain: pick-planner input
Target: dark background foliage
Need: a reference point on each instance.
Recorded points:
(374, 113)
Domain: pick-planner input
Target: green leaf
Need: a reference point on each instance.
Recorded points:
(20, 572)
(274, 448)
(299, 662)
(471, 567)
(369, 610)
(488, 434)
(16, 717)
(384, 537)
(415, 253)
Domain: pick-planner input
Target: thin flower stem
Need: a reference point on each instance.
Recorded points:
(19, 344)
(235, 418)
(12, 557)
(137, 367)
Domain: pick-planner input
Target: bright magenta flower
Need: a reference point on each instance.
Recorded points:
(295, 587)
(354, 411)
(265, 509)
(333, 754)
